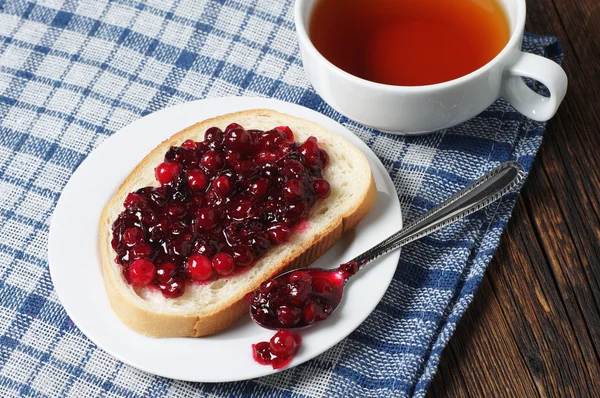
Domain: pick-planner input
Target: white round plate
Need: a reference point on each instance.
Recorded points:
(76, 268)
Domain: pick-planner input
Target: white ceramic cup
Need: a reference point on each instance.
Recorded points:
(421, 109)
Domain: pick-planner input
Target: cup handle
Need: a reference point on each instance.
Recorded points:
(525, 100)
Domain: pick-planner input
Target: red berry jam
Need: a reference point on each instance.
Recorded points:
(300, 298)
(219, 206)
(279, 351)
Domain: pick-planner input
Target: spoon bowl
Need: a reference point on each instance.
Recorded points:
(299, 298)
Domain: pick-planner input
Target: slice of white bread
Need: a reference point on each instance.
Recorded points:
(209, 308)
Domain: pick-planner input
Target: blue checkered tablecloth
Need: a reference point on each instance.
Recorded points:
(74, 72)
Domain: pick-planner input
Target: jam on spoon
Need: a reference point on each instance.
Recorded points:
(300, 298)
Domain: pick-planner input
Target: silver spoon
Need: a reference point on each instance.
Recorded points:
(300, 298)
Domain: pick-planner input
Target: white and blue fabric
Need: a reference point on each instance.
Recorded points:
(74, 72)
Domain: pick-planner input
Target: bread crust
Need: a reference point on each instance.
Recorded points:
(157, 324)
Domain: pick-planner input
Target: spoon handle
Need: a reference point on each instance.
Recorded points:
(486, 190)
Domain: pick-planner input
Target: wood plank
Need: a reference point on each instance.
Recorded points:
(532, 326)
(480, 362)
(581, 21)
(449, 379)
(570, 166)
(570, 238)
(557, 356)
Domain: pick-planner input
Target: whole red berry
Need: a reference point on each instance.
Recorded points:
(135, 200)
(205, 248)
(283, 344)
(271, 140)
(279, 233)
(301, 276)
(232, 158)
(191, 144)
(268, 286)
(141, 272)
(175, 210)
(293, 168)
(289, 315)
(238, 140)
(260, 187)
(299, 292)
(223, 185)
(233, 126)
(165, 272)
(206, 218)
(295, 211)
(198, 267)
(214, 137)
(197, 180)
(167, 171)
(131, 236)
(223, 263)
(239, 207)
(242, 255)
(141, 250)
(212, 160)
(309, 149)
(322, 188)
(294, 190)
(173, 288)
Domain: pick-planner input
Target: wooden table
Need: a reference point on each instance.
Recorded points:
(534, 327)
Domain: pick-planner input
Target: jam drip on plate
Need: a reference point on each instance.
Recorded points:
(221, 204)
(279, 351)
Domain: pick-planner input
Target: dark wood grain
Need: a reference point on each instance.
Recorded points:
(534, 326)
(474, 345)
